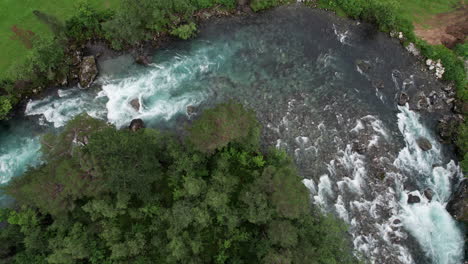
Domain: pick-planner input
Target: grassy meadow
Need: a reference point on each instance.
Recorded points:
(19, 13)
(420, 10)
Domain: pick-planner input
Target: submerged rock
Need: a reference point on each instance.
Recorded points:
(191, 110)
(143, 60)
(458, 204)
(424, 143)
(365, 66)
(88, 71)
(413, 199)
(135, 103)
(136, 125)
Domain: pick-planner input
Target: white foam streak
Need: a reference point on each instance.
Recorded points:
(15, 157)
(428, 221)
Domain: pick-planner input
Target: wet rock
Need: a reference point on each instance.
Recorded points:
(143, 60)
(397, 221)
(423, 102)
(413, 199)
(403, 98)
(88, 71)
(379, 84)
(424, 144)
(135, 103)
(460, 107)
(64, 81)
(136, 125)
(429, 193)
(191, 110)
(365, 66)
(458, 203)
(447, 88)
(76, 58)
(412, 49)
(436, 66)
(447, 128)
(358, 147)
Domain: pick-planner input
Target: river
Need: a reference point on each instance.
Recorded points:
(324, 88)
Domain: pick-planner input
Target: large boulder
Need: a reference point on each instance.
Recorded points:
(403, 98)
(413, 199)
(429, 193)
(136, 125)
(88, 71)
(458, 204)
(135, 103)
(424, 144)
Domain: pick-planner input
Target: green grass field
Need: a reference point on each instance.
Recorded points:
(20, 13)
(420, 10)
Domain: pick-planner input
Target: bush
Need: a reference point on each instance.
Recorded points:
(462, 50)
(5, 106)
(44, 63)
(462, 144)
(258, 5)
(86, 24)
(185, 31)
(147, 198)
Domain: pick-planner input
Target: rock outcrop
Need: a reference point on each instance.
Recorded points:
(458, 204)
(447, 128)
(136, 125)
(88, 71)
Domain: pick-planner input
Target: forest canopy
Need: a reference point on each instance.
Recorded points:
(116, 196)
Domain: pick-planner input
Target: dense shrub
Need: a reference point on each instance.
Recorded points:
(143, 197)
(86, 24)
(462, 50)
(45, 62)
(185, 31)
(258, 5)
(5, 106)
(462, 143)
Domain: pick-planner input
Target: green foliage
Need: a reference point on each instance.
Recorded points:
(185, 31)
(462, 50)
(5, 106)
(223, 124)
(44, 62)
(259, 5)
(86, 23)
(142, 197)
(462, 144)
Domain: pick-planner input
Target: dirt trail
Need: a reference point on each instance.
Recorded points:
(448, 29)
